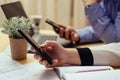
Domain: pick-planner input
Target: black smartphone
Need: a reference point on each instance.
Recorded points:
(53, 24)
(36, 46)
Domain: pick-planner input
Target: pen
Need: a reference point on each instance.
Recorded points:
(93, 70)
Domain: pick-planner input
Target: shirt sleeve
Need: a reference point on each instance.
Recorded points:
(85, 56)
(87, 35)
(103, 26)
(106, 54)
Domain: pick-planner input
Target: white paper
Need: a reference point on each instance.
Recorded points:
(9, 69)
(73, 69)
(12, 70)
(102, 75)
(39, 72)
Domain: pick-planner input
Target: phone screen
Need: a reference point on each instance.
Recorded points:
(36, 46)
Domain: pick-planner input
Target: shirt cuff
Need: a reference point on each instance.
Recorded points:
(87, 35)
(85, 56)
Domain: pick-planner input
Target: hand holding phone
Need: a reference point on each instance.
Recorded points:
(56, 26)
(35, 45)
(53, 24)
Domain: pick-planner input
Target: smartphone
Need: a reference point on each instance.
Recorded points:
(36, 46)
(56, 26)
(53, 24)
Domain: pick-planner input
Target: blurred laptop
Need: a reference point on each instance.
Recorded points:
(16, 9)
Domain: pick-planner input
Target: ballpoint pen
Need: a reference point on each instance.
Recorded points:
(93, 70)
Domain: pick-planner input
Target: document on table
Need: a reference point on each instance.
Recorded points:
(101, 75)
(80, 69)
(9, 69)
(12, 70)
(39, 72)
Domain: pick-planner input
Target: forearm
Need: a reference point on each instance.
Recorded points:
(79, 56)
(87, 35)
(103, 26)
(94, 12)
(104, 55)
(107, 54)
(101, 55)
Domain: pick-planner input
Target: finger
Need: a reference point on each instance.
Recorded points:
(67, 34)
(32, 49)
(55, 31)
(48, 43)
(62, 33)
(55, 63)
(38, 57)
(76, 36)
(43, 62)
(72, 36)
(50, 52)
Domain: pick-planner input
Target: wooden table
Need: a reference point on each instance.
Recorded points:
(4, 41)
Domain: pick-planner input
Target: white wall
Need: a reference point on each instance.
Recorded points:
(66, 12)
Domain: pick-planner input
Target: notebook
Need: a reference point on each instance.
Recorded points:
(80, 69)
(16, 9)
(101, 75)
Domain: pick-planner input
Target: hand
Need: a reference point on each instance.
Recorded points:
(68, 33)
(60, 55)
(90, 2)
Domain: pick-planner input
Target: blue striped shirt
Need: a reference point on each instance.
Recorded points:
(102, 27)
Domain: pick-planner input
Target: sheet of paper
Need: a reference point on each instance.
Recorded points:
(102, 75)
(39, 72)
(12, 70)
(74, 69)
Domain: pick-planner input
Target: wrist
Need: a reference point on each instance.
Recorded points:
(73, 57)
(89, 4)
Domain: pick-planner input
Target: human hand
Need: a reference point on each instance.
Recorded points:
(60, 55)
(90, 2)
(68, 33)
(56, 51)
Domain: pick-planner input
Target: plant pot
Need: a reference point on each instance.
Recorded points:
(18, 48)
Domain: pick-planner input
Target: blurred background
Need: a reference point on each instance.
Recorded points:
(66, 12)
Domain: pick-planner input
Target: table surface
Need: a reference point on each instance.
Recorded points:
(4, 41)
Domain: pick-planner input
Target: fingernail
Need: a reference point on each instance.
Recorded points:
(45, 62)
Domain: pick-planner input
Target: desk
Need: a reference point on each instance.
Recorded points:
(4, 41)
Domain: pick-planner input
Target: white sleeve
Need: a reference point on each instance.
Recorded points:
(108, 54)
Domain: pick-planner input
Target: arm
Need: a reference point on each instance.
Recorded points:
(102, 24)
(104, 55)
(101, 55)
(107, 54)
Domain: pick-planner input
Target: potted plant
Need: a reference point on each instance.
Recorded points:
(18, 45)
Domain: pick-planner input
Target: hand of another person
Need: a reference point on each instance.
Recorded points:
(60, 55)
(68, 33)
(90, 2)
